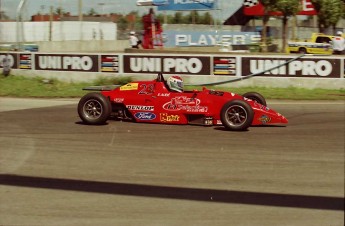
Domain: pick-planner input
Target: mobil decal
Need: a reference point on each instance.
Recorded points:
(165, 117)
(61, 62)
(167, 64)
(129, 86)
(184, 103)
(145, 115)
(140, 108)
(303, 67)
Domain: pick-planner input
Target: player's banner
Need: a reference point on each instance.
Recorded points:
(186, 5)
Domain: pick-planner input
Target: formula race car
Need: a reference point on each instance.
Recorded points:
(154, 101)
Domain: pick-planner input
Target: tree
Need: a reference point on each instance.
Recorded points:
(122, 23)
(178, 18)
(206, 18)
(332, 11)
(288, 8)
(92, 12)
(269, 6)
(59, 11)
(329, 12)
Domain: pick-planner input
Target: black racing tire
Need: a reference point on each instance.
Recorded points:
(256, 97)
(94, 109)
(302, 50)
(236, 115)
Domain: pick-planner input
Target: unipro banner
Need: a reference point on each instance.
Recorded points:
(189, 65)
(187, 5)
(67, 62)
(302, 67)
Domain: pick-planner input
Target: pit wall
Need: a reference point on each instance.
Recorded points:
(247, 70)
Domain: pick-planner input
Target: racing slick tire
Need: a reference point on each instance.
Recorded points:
(94, 109)
(256, 97)
(236, 115)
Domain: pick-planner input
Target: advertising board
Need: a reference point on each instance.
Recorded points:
(303, 67)
(67, 62)
(194, 65)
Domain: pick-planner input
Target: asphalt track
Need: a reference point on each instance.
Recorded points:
(57, 171)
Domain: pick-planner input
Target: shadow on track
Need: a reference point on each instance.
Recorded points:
(193, 194)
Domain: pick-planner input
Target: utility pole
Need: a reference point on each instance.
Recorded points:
(80, 10)
(51, 23)
(0, 11)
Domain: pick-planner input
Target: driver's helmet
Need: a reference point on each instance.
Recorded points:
(175, 83)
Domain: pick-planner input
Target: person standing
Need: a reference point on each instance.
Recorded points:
(133, 40)
(6, 65)
(338, 43)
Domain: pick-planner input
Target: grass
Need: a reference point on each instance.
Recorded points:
(19, 86)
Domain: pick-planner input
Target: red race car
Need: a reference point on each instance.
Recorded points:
(164, 101)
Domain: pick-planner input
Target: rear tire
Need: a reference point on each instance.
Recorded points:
(302, 50)
(256, 97)
(236, 115)
(94, 109)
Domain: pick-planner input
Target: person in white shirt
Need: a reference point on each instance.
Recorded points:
(338, 43)
(133, 40)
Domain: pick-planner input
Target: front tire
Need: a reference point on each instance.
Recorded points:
(94, 109)
(256, 97)
(236, 115)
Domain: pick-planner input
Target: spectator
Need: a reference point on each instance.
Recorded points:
(338, 43)
(133, 40)
(6, 64)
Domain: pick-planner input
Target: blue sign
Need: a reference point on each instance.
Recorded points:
(159, 2)
(186, 5)
(173, 38)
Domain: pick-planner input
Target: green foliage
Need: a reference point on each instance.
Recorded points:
(178, 18)
(59, 10)
(92, 12)
(19, 86)
(112, 81)
(122, 24)
(189, 18)
(329, 12)
(288, 7)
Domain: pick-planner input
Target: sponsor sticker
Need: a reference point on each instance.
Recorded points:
(119, 100)
(145, 115)
(165, 117)
(264, 119)
(186, 104)
(140, 108)
(129, 86)
(163, 94)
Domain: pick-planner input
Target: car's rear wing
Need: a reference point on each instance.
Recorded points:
(101, 88)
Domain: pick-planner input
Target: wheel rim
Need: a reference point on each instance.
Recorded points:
(236, 115)
(92, 109)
